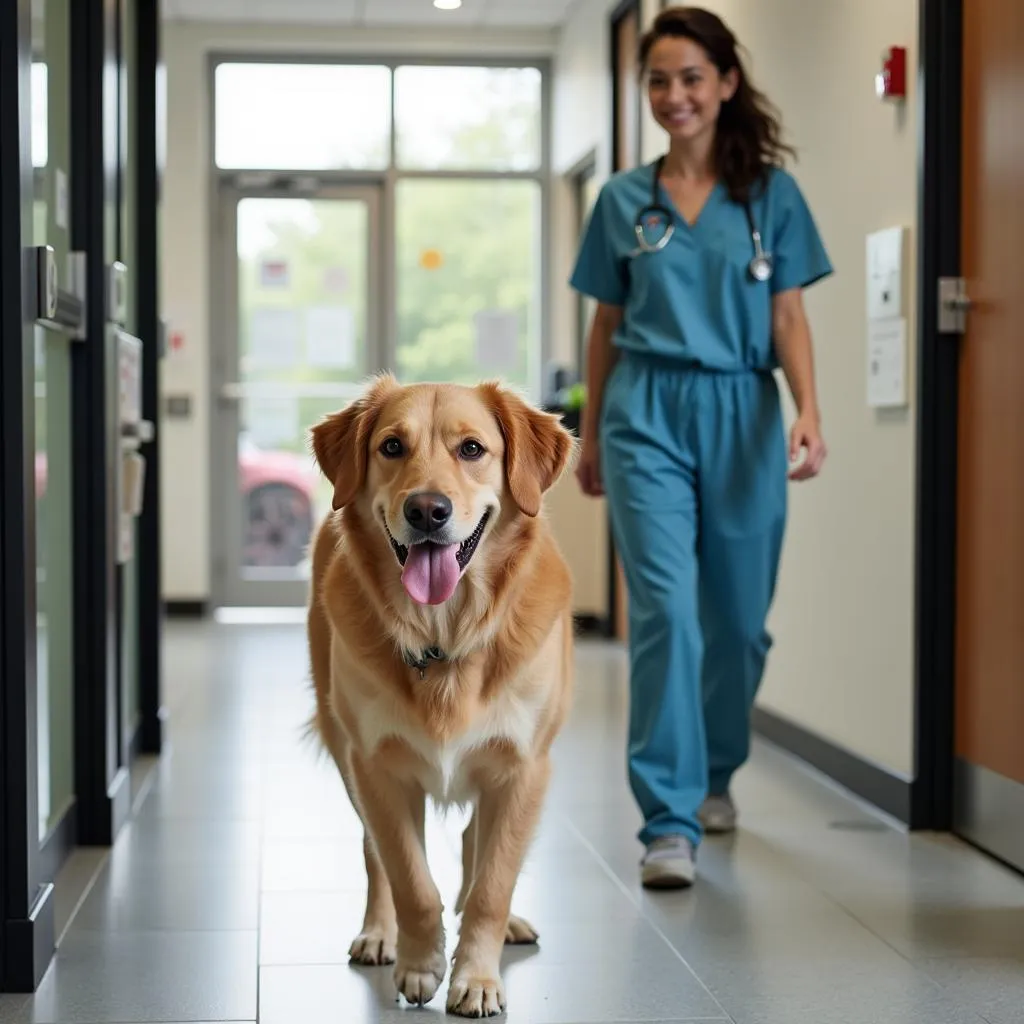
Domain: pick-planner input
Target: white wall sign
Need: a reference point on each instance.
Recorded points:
(885, 274)
(887, 362)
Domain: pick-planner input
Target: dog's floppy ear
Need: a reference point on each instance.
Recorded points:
(537, 447)
(340, 440)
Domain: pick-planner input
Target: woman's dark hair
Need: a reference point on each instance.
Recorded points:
(748, 140)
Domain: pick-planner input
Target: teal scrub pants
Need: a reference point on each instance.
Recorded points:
(694, 465)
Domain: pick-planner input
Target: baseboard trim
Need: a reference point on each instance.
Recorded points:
(888, 791)
(185, 609)
(29, 945)
(120, 795)
(989, 812)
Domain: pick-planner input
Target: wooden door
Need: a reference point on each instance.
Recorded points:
(989, 793)
(626, 31)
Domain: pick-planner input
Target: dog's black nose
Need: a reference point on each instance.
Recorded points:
(427, 512)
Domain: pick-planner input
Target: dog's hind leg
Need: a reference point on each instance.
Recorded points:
(469, 841)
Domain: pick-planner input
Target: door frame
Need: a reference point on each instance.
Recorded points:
(938, 255)
(102, 762)
(150, 127)
(227, 588)
(578, 177)
(617, 610)
(624, 10)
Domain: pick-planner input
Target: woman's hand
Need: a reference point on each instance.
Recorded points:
(588, 470)
(792, 338)
(806, 436)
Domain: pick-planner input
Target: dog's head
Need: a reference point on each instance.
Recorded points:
(439, 468)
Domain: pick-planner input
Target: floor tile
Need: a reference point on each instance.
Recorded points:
(179, 897)
(12, 1008)
(147, 977)
(317, 865)
(309, 927)
(73, 884)
(995, 988)
(325, 994)
(595, 993)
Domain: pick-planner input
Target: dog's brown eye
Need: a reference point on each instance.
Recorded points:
(471, 449)
(392, 448)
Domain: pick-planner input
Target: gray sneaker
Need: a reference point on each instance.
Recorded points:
(718, 814)
(668, 864)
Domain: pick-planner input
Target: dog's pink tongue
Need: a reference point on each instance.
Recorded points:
(431, 572)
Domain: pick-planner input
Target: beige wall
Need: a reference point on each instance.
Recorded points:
(842, 664)
(185, 243)
(581, 117)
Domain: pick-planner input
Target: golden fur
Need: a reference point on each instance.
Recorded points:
(476, 729)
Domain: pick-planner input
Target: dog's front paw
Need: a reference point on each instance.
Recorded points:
(374, 946)
(418, 978)
(472, 994)
(519, 932)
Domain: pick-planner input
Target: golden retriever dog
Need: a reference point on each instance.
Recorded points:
(440, 636)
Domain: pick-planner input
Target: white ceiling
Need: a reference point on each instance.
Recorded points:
(374, 13)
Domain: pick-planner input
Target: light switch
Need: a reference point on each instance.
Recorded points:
(885, 274)
(178, 407)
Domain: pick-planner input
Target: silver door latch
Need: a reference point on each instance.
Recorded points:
(60, 309)
(953, 305)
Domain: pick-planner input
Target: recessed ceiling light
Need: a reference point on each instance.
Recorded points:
(447, 5)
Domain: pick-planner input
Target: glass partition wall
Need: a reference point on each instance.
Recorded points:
(70, 210)
(368, 215)
(50, 92)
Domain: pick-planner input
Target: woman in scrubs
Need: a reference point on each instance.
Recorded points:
(683, 429)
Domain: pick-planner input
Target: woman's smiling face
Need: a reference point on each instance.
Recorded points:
(685, 89)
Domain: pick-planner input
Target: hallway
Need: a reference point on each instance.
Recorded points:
(235, 891)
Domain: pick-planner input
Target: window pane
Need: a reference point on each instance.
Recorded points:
(302, 287)
(302, 116)
(468, 280)
(303, 325)
(468, 118)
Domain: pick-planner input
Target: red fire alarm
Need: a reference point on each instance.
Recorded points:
(891, 81)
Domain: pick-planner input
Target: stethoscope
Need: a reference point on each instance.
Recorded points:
(760, 266)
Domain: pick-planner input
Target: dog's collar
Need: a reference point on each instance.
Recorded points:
(422, 660)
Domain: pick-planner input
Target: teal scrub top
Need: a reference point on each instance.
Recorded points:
(694, 301)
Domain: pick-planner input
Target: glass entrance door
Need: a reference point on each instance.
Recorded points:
(300, 332)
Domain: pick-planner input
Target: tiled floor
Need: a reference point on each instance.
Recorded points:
(233, 894)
